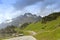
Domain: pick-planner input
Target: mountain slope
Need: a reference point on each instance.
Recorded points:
(48, 26)
(52, 32)
(48, 30)
(26, 18)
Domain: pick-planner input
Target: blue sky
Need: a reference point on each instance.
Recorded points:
(12, 8)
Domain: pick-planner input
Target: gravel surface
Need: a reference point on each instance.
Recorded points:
(22, 38)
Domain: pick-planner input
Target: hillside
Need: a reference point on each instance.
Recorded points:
(49, 29)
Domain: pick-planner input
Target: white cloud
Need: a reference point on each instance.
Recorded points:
(43, 8)
(8, 21)
(7, 12)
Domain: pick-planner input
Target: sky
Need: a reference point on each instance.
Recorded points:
(12, 8)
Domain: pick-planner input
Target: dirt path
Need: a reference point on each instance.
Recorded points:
(32, 32)
(22, 38)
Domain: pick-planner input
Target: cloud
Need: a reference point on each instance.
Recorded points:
(49, 3)
(39, 7)
(20, 4)
(13, 8)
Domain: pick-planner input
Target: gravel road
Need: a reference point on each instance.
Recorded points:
(22, 38)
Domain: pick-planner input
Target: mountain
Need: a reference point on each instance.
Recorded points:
(26, 18)
(18, 21)
(49, 29)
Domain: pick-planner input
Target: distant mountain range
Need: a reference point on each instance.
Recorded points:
(18, 21)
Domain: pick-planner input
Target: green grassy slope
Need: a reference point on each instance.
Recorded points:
(51, 35)
(48, 31)
(48, 26)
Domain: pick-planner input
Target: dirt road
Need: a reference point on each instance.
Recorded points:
(22, 38)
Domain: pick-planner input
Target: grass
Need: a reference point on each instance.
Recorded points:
(39, 26)
(54, 35)
(48, 31)
(52, 26)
